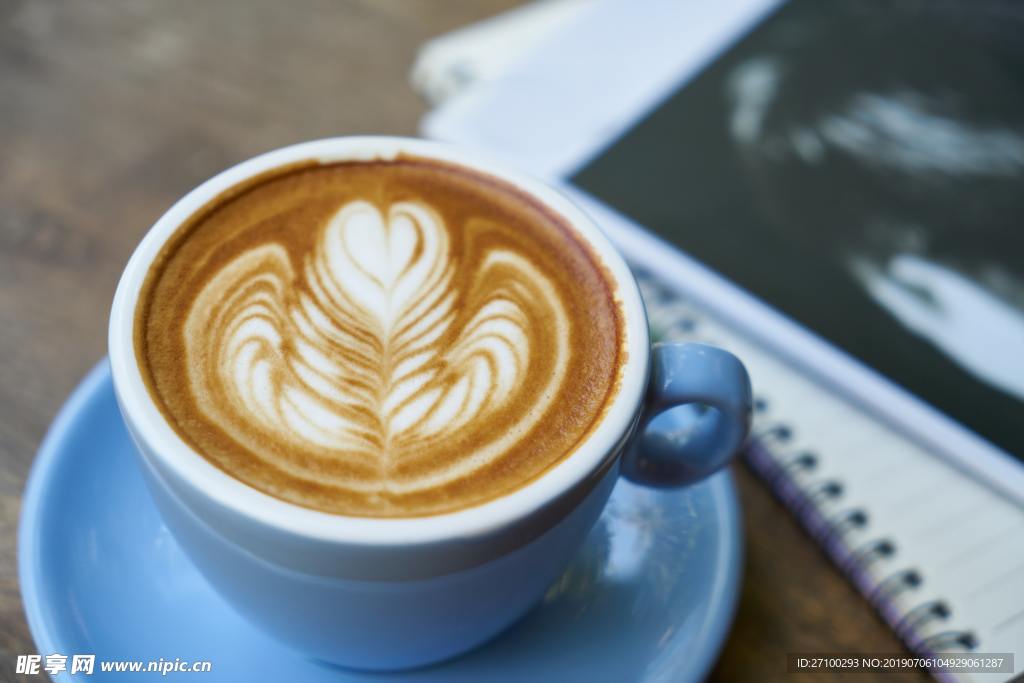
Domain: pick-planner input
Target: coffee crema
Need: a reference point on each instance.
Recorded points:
(380, 338)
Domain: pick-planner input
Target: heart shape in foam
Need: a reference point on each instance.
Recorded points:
(379, 350)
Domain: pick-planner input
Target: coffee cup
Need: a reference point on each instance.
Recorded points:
(402, 589)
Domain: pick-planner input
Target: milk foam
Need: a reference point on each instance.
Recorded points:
(373, 348)
(380, 338)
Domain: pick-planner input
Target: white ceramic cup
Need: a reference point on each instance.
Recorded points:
(395, 593)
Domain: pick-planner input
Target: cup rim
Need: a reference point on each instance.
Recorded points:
(173, 453)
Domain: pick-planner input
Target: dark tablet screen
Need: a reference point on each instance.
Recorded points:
(862, 171)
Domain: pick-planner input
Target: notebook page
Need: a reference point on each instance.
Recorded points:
(933, 549)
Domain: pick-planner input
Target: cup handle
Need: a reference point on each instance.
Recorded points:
(696, 415)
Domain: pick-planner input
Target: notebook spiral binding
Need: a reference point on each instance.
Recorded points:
(793, 474)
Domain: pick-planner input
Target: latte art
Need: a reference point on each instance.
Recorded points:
(379, 338)
(366, 361)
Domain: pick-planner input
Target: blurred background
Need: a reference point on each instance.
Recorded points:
(111, 111)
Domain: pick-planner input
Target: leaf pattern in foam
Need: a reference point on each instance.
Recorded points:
(363, 359)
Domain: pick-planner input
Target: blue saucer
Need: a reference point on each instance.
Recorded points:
(650, 596)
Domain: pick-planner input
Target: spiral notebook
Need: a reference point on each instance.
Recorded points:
(876, 502)
(844, 212)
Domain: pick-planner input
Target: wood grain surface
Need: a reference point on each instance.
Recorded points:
(109, 111)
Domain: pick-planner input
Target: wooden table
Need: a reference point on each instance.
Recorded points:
(110, 111)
